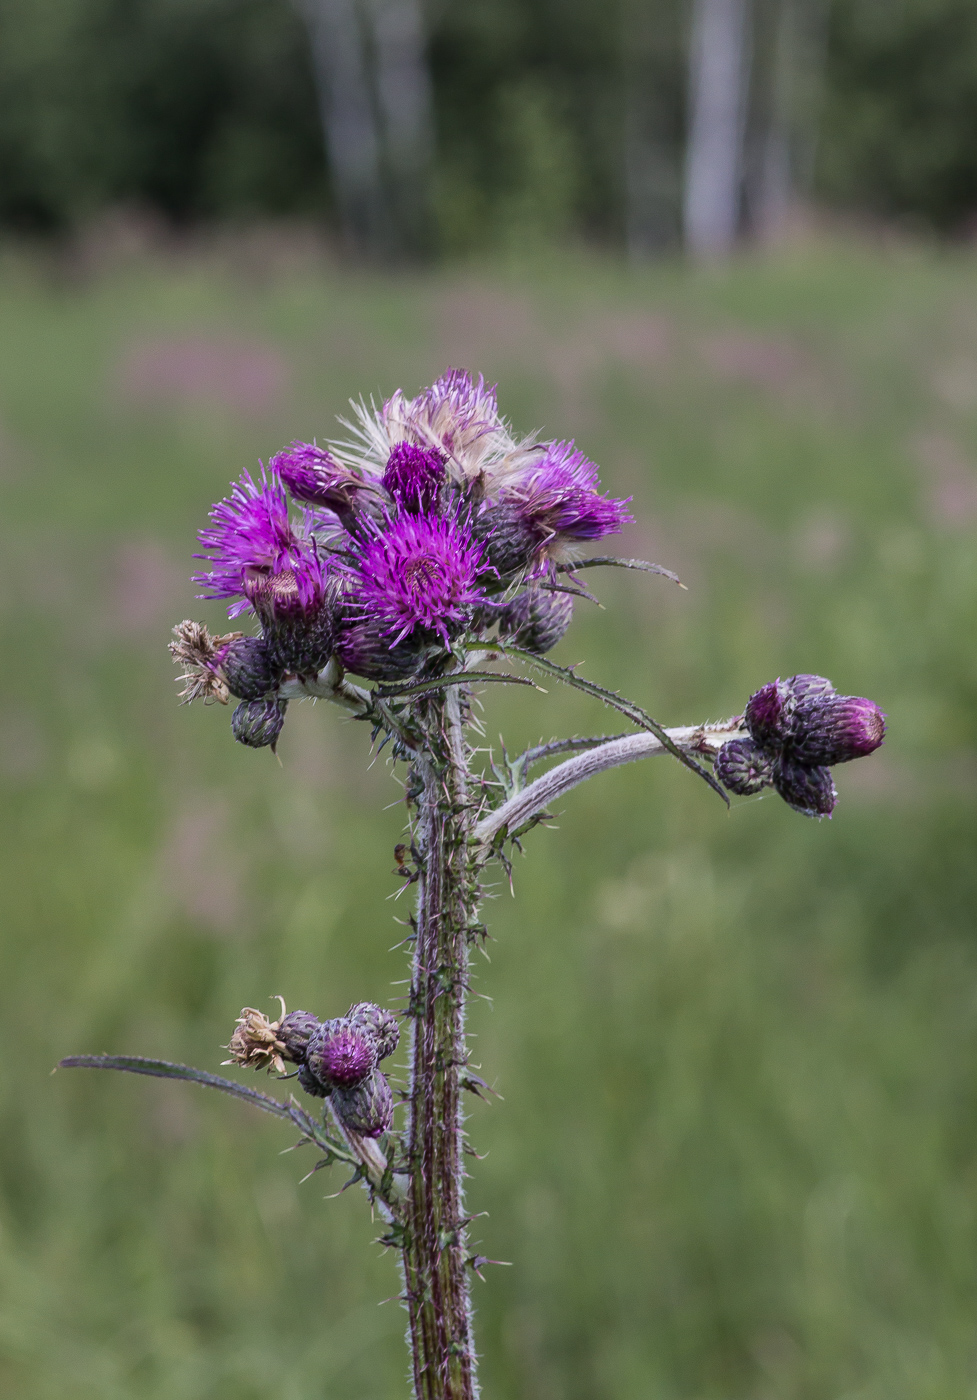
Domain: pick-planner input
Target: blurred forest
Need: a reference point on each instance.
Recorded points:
(481, 124)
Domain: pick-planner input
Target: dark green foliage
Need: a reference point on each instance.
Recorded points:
(901, 109)
(195, 108)
(555, 118)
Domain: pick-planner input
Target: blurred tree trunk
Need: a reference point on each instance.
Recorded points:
(718, 83)
(403, 87)
(375, 101)
(790, 135)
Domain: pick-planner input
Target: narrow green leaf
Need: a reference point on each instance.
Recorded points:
(634, 712)
(411, 688)
(611, 562)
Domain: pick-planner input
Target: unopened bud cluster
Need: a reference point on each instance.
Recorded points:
(338, 1059)
(799, 729)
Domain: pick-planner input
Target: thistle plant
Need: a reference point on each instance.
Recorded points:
(394, 573)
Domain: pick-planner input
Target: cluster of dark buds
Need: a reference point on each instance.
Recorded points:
(337, 1059)
(431, 523)
(798, 730)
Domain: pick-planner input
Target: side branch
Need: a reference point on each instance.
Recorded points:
(705, 739)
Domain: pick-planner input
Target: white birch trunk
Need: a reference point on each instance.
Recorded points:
(349, 120)
(403, 89)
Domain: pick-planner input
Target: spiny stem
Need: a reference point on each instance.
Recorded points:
(536, 797)
(435, 1254)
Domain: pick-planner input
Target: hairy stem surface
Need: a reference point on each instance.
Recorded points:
(435, 1253)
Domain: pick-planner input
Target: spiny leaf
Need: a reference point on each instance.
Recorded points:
(634, 712)
(611, 562)
(411, 688)
(164, 1069)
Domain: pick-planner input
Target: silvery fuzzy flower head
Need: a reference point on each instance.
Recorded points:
(457, 416)
(417, 574)
(251, 542)
(546, 508)
(413, 477)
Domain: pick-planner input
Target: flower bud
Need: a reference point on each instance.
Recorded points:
(510, 541)
(247, 668)
(341, 1055)
(310, 1083)
(810, 791)
(258, 723)
(366, 1109)
(413, 477)
(743, 768)
(366, 650)
(767, 715)
(377, 1023)
(536, 619)
(295, 1030)
(299, 628)
(836, 729)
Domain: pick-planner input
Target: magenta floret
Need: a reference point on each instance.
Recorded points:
(251, 540)
(417, 571)
(413, 476)
(558, 498)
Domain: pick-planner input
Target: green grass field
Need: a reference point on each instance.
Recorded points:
(737, 1153)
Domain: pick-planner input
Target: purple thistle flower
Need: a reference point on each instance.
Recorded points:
(552, 503)
(340, 1055)
(251, 540)
(413, 476)
(836, 729)
(313, 475)
(417, 572)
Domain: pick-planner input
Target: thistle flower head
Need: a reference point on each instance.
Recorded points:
(313, 475)
(536, 619)
(367, 1108)
(413, 476)
(251, 541)
(555, 500)
(810, 791)
(743, 767)
(258, 723)
(768, 714)
(374, 1021)
(256, 1043)
(418, 573)
(201, 653)
(833, 729)
(457, 416)
(340, 1055)
(295, 1030)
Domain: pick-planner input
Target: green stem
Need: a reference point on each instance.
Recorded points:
(435, 1254)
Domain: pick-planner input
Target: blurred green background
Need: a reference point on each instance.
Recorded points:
(737, 1153)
